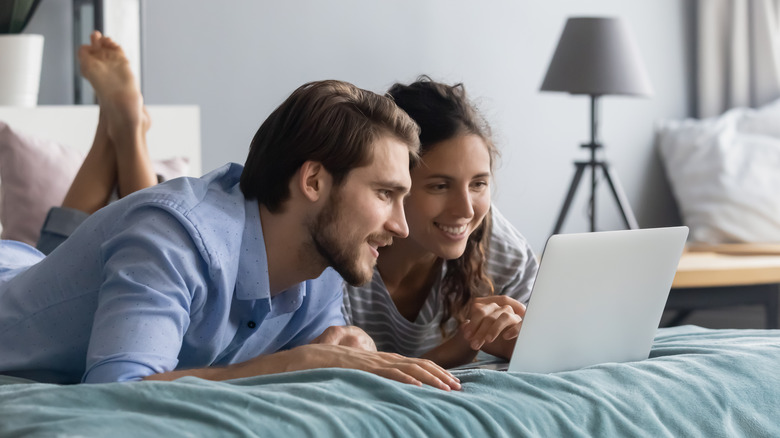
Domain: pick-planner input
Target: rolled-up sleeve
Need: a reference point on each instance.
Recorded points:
(144, 302)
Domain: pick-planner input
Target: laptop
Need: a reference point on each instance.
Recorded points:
(597, 298)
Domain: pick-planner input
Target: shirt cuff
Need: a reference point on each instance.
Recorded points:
(60, 223)
(122, 371)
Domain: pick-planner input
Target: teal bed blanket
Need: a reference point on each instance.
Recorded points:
(697, 382)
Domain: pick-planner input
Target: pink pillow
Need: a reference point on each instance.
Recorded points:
(35, 175)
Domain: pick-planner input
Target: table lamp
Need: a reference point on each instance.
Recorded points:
(597, 56)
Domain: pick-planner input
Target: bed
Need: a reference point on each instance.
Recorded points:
(697, 382)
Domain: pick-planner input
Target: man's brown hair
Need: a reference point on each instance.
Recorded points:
(331, 122)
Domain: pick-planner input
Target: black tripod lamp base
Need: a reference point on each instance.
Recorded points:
(615, 188)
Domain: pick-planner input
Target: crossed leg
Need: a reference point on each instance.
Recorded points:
(119, 156)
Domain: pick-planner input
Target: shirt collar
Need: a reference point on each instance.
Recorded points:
(253, 282)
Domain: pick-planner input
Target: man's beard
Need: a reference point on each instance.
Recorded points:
(337, 246)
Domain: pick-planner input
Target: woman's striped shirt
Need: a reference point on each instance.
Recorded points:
(511, 265)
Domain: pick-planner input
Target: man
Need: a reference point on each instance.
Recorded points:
(225, 276)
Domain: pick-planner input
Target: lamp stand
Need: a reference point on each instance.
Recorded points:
(595, 165)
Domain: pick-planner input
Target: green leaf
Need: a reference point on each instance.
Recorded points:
(15, 14)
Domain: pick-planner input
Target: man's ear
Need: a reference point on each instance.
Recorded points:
(313, 180)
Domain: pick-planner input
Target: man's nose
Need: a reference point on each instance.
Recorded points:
(396, 224)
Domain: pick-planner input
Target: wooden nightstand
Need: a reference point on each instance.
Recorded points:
(727, 275)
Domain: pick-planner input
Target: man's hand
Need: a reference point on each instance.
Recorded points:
(389, 365)
(491, 317)
(349, 336)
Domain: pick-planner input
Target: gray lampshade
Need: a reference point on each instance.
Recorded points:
(597, 56)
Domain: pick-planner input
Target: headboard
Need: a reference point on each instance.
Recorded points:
(175, 130)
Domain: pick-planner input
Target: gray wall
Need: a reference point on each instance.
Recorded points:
(239, 59)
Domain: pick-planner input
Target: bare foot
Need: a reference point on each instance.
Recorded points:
(105, 66)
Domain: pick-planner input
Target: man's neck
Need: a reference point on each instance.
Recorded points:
(285, 242)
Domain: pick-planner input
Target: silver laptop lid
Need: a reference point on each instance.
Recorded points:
(598, 297)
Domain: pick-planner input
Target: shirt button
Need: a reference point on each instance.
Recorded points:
(251, 324)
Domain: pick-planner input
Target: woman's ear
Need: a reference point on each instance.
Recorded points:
(313, 180)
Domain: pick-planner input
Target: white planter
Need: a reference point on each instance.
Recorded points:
(20, 69)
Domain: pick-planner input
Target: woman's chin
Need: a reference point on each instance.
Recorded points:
(451, 253)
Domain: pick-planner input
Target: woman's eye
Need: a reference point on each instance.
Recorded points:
(438, 187)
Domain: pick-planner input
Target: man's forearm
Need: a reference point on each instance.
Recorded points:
(298, 358)
(310, 356)
(267, 364)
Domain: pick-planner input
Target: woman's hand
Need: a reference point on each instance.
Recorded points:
(492, 324)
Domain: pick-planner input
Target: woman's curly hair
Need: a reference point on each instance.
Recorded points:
(444, 112)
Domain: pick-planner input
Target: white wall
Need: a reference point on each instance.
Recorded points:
(239, 59)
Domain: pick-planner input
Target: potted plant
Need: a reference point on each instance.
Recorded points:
(21, 55)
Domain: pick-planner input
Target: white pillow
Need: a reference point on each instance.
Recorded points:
(725, 174)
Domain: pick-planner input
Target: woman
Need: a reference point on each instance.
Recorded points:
(458, 283)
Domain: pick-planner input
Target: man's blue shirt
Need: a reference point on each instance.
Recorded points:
(171, 277)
